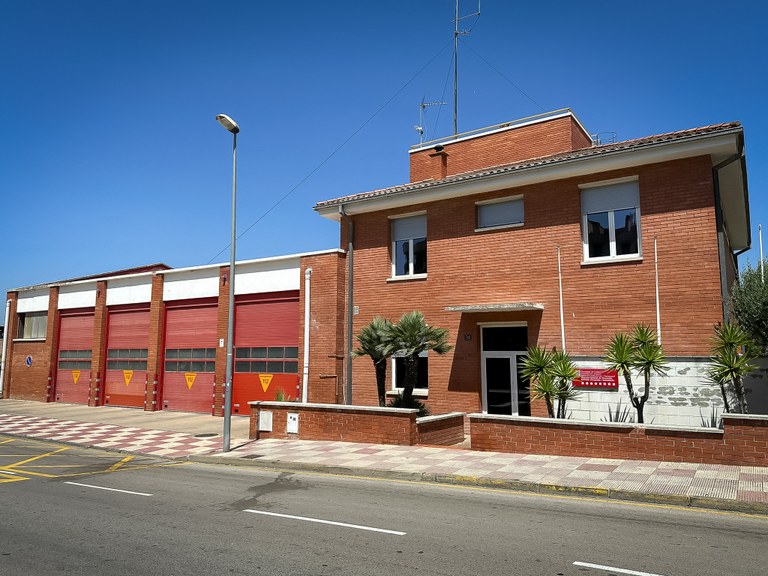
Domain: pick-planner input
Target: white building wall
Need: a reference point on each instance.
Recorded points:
(261, 277)
(202, 283)
(33, 300)
(77, 296)
(135, 290)
(683, 398)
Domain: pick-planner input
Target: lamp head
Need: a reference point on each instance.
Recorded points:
(228, 123)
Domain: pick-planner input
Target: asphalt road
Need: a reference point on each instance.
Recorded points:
(189, 519)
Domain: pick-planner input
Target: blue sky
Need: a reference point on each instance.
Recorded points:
(110, 156)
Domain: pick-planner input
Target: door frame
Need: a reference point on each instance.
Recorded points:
(510, 354)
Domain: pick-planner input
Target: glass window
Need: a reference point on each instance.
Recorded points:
(274, 366)
(409, 246)
(500, 213)
(242, 366)
(173, 353)
(291, 352)
(422, 381)
(33, 325)
(274, 353)
(258, 352)
(258, 366)
(611, 223)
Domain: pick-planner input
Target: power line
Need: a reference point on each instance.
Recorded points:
(338, 148)
(503, 76)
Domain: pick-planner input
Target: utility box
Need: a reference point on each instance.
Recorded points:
(265, 421)
(292, 425)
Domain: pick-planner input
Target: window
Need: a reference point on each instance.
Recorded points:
(127, 359)
(190, 360)
(398, 372)
(33, 325)
(409, 246)
(74, 359)
(611, 221)
(502, 213)
(273, 359)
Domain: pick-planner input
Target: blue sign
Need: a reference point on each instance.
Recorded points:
(28, 361)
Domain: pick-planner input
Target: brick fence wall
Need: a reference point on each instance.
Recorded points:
(442, 430)
(743, 440)
(335, 422)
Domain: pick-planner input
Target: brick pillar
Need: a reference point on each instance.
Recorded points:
(12, 330)
(99, 347)
(539, 408)
(155, 353)
(52, 340)
(221, 334)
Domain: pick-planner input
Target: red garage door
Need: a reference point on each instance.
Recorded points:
(266, 349)
(73, 371)
(190, 357)
(127, 339)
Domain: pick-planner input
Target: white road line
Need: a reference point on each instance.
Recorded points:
(110, 489)
(613, 569)
(343, 524)
(9, 472)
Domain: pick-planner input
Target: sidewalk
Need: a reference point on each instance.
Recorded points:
(177, 436)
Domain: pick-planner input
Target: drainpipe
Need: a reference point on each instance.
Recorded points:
(560, 285)
(307, 320)
(350, 301)
(721, 228)
(658, 305)
(5, 347)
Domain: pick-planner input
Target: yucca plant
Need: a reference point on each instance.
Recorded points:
(731, 360)
(551, 375)
(638, 351)
(371, 341)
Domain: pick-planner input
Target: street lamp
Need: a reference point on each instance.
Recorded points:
(231, 126)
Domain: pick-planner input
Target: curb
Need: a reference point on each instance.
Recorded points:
(678, 500)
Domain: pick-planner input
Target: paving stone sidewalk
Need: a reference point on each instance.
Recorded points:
(717, 486)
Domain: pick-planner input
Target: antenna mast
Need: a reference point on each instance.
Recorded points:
(420, 126)
(456, 34)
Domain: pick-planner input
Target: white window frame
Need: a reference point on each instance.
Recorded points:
(517, 197)
(613, 257)
(393, 267)
(393, 375)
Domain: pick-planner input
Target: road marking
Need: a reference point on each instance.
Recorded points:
(51, 453)
(613, 569)
(9, 472)
(7, 441)
(117, 465)
(318, 521)
(110, 489)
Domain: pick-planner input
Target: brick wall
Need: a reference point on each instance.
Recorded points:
(326, 332)
(744, 439)
(532, 141)
(443, 430)
(99, 350)
(340, 423)
(155, 352)
(221, 333)
(520, 264)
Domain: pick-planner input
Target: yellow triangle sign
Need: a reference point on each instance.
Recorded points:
(266, 379)
(190, 378)
(127, 376)
(75, 375)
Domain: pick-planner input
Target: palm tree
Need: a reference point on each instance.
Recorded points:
(410, 337)
(371, 344)
(551, 375)
(732, 356)
(640, 351)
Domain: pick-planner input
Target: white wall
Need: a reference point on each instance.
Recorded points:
(129, 290)
(191, 284)
(33, 300)
(77, 296)
(261, 277)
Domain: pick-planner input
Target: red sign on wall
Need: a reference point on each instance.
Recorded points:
(597, 378)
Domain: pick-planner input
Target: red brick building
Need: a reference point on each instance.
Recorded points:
(520, 234)
(493, 223)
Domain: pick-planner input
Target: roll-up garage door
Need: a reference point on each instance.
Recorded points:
(190, 357)
(266, 349)
(73, 369)
(127, 340)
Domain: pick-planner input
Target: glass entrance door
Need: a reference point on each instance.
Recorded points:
(504, 391)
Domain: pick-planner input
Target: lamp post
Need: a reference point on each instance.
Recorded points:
(231, 126)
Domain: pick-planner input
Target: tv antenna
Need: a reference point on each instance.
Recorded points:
(456, 34)
(420, 127)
